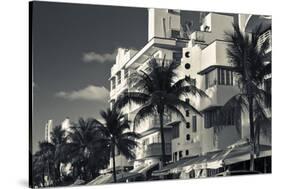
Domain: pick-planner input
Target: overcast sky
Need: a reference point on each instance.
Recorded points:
(73, 50)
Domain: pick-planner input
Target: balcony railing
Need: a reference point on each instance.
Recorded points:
(154, 149)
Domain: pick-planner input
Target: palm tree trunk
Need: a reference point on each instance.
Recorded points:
(113, 163)
(163, 159)
(252, 134)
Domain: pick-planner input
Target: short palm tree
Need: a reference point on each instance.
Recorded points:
(82, 149)
(251, 64)
(115, 133)
(159, 91)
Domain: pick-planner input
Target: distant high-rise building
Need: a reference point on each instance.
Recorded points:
(48, 129)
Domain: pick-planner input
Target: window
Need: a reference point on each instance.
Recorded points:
(186, 152)
(188, 137)
(175, 156)
(267, 88)
(194, 124)
(180, 154)
(222, 82)
(213, 118)
(211, 79)
(187, 54)
(176, 132)
(175, 34)
(119, 77)
(187, 66)
(187, 113)
(187, 125)
(218, 76)
(210, 118)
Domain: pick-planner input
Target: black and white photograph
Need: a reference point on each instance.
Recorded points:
(124, 94)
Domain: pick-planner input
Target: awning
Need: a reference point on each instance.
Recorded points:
(147, 168)
(198, 163)
(102, 179)
(235, 155)
(173, 167)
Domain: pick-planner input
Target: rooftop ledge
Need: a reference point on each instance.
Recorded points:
(166, 43)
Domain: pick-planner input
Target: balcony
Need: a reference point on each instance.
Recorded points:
(154, 149)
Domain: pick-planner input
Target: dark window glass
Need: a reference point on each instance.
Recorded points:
(180, 154)
(186, 152)
(175, 34)
(219, 76)
(206, 81)
(194, 124)
(227, 77)
(187, 125)
(222, 77)
(187, 113)
(188, 137)
(187, 54)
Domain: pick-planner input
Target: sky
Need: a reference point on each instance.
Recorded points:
(74, 47)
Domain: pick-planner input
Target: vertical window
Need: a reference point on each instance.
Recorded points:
(222, 77)
(187, 125)
(180, 154)
(118, 77)
(227, 77)
(186, 152)
(206, 81)
(210, 118)
(176, 156)
(188, 137)
(187, 113)
(194, 124)
(218, 75)
(231, 78)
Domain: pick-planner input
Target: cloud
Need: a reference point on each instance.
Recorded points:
(100, 58)
(91, 93)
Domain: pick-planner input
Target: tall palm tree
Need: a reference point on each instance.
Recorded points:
(44, 160)
(83, 150)
(115, 134)
(58, 139)
(250, 63)
(159, 91)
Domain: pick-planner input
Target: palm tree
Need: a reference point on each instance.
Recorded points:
(250, 62)
(44, 160)
(159, 91)
(58, 139)
(83, 151)
(115, 134)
